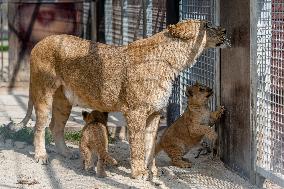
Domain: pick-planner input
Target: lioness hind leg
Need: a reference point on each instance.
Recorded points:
(42, 103)
(61, 109)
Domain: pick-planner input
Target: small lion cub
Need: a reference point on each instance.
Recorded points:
(95, 140)
(189, 129)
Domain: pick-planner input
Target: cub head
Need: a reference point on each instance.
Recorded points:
(198, 94)
(191, 29)
(95, 116)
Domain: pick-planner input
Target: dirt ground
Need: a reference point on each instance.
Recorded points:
(19, 170)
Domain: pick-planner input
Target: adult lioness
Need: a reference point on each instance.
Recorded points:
(134, 79)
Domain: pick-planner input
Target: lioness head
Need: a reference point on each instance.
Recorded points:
(198, 94)
(190, 29)
(95, 116)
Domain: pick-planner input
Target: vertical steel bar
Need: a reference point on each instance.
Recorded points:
(2, 32)
(94, 32)
(144, 5)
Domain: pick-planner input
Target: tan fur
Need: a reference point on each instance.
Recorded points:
(95, 140)
(134, 79)
(188, 130)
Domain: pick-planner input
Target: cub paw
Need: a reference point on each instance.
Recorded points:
(221, 111)
(101, 174)
(182, 164)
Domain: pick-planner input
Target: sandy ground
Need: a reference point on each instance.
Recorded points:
(19, 170)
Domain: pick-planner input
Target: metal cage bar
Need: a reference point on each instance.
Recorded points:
(269, 118)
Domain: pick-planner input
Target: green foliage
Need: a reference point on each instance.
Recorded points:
(26, 134)
(111, 140)
(48, 136)
(73, 136)
(5, 132)
(4, 48)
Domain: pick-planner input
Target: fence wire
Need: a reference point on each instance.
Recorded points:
(130, 20)
(204, 71)
(270, 90)
(4, 45)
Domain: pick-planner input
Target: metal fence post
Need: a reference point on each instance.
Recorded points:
(173, 109)
(108, 20)
(1, 31)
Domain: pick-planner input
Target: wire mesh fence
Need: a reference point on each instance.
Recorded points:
(130, 20)
(204, 71)
(269, 126)
(4, 43)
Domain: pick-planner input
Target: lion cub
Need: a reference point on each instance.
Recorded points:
(189, 129)
(95, 140)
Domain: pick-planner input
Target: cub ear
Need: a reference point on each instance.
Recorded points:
(183, 30)
(85, 114)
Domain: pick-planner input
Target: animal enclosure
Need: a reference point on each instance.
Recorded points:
(269, 97)
(247, 78)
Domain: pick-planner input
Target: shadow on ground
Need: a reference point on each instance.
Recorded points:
(66, 173)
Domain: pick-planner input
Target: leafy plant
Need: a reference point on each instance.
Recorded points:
(73, 136)
(25, 134)
(4, 48)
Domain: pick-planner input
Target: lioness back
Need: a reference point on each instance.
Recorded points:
(74, 62)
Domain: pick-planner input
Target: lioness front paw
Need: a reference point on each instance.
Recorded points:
(154, 171)
(41, 158)
(140, 174)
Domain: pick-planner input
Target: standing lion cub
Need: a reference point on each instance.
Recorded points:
(188, 130)
(95, 140)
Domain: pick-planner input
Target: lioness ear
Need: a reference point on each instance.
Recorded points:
(85, 114)
(183, 30)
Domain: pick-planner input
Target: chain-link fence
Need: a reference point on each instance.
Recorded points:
(130, 20)
(4, 43)
(204, 70)
(269, 122)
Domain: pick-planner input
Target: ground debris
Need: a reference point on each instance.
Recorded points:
(26, 180)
